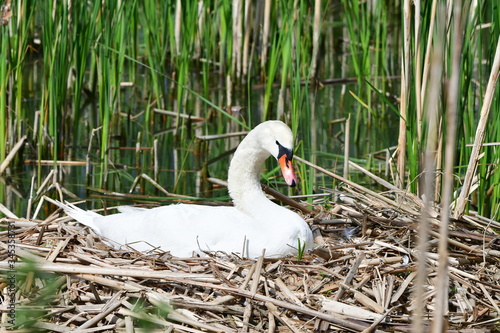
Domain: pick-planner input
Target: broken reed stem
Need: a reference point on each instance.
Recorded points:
(347, 146)
(350, 276)
(480, 134)
(12, 153)
(111, 305)
(376, 178)
(4, 210)
(253, 289)
(88, 172)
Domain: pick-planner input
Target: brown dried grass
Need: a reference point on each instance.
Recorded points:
(359, 283)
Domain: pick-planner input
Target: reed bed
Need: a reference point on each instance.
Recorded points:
(359, 278)
(151, 97)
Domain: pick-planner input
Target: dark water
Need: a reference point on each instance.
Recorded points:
(319, 121)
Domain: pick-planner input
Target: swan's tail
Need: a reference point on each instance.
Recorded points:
(85, 217)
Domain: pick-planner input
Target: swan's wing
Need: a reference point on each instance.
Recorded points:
(85, 217)
(181, 229)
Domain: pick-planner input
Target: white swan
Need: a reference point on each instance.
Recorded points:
(253, 224)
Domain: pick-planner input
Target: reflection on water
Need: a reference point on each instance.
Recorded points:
(170, 151)
(139, 146)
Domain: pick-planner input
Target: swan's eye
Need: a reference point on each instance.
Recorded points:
(284, 151)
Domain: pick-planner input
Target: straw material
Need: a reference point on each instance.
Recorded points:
(359, 279)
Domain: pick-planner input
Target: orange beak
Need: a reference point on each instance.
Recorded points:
(287, 170)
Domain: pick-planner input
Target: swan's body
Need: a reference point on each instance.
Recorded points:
(253, 224)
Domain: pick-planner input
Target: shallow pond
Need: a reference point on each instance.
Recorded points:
(146, 138)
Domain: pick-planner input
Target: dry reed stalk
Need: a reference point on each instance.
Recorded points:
(439, 161)
(359, 187)
(347, 146)
(46, 266)
(332, 306)
(157, 186)
(237, 9)
(5, 211)
(349, 276)
(180, 115)
(156, 164)
(110, 306)
(379, 180)
(265, 35)
(201, 22)
(178, 27)
(432, 102)
(274, 311)
(405, 90)
(427, 59)
(316, 35)
(441, 303)
(480, 134)
(255, 284)
(12, 153)
(246, 41)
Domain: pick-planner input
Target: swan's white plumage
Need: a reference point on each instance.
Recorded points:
(254, 224)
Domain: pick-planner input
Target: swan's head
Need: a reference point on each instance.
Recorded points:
(277, 138)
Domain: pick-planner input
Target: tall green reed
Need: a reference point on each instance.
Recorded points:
(14, 43)
(4, 81)
(56, 59)
(155, 43)
(114, 25)
(359, 22)
(84, 16)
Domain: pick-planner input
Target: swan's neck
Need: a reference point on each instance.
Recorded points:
(244, 176)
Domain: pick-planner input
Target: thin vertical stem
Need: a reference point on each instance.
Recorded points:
(432, 104)
(428, 50)
(178, 24)
(418, 70)
(347, 146)
(316, 34)
(237, 38)
(246, 42)
(441, 301)
(405, 86)
(265, 34)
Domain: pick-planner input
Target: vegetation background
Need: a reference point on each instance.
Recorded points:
(99, 98)
(102, 92)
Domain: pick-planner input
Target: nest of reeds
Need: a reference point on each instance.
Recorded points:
(362, 277)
